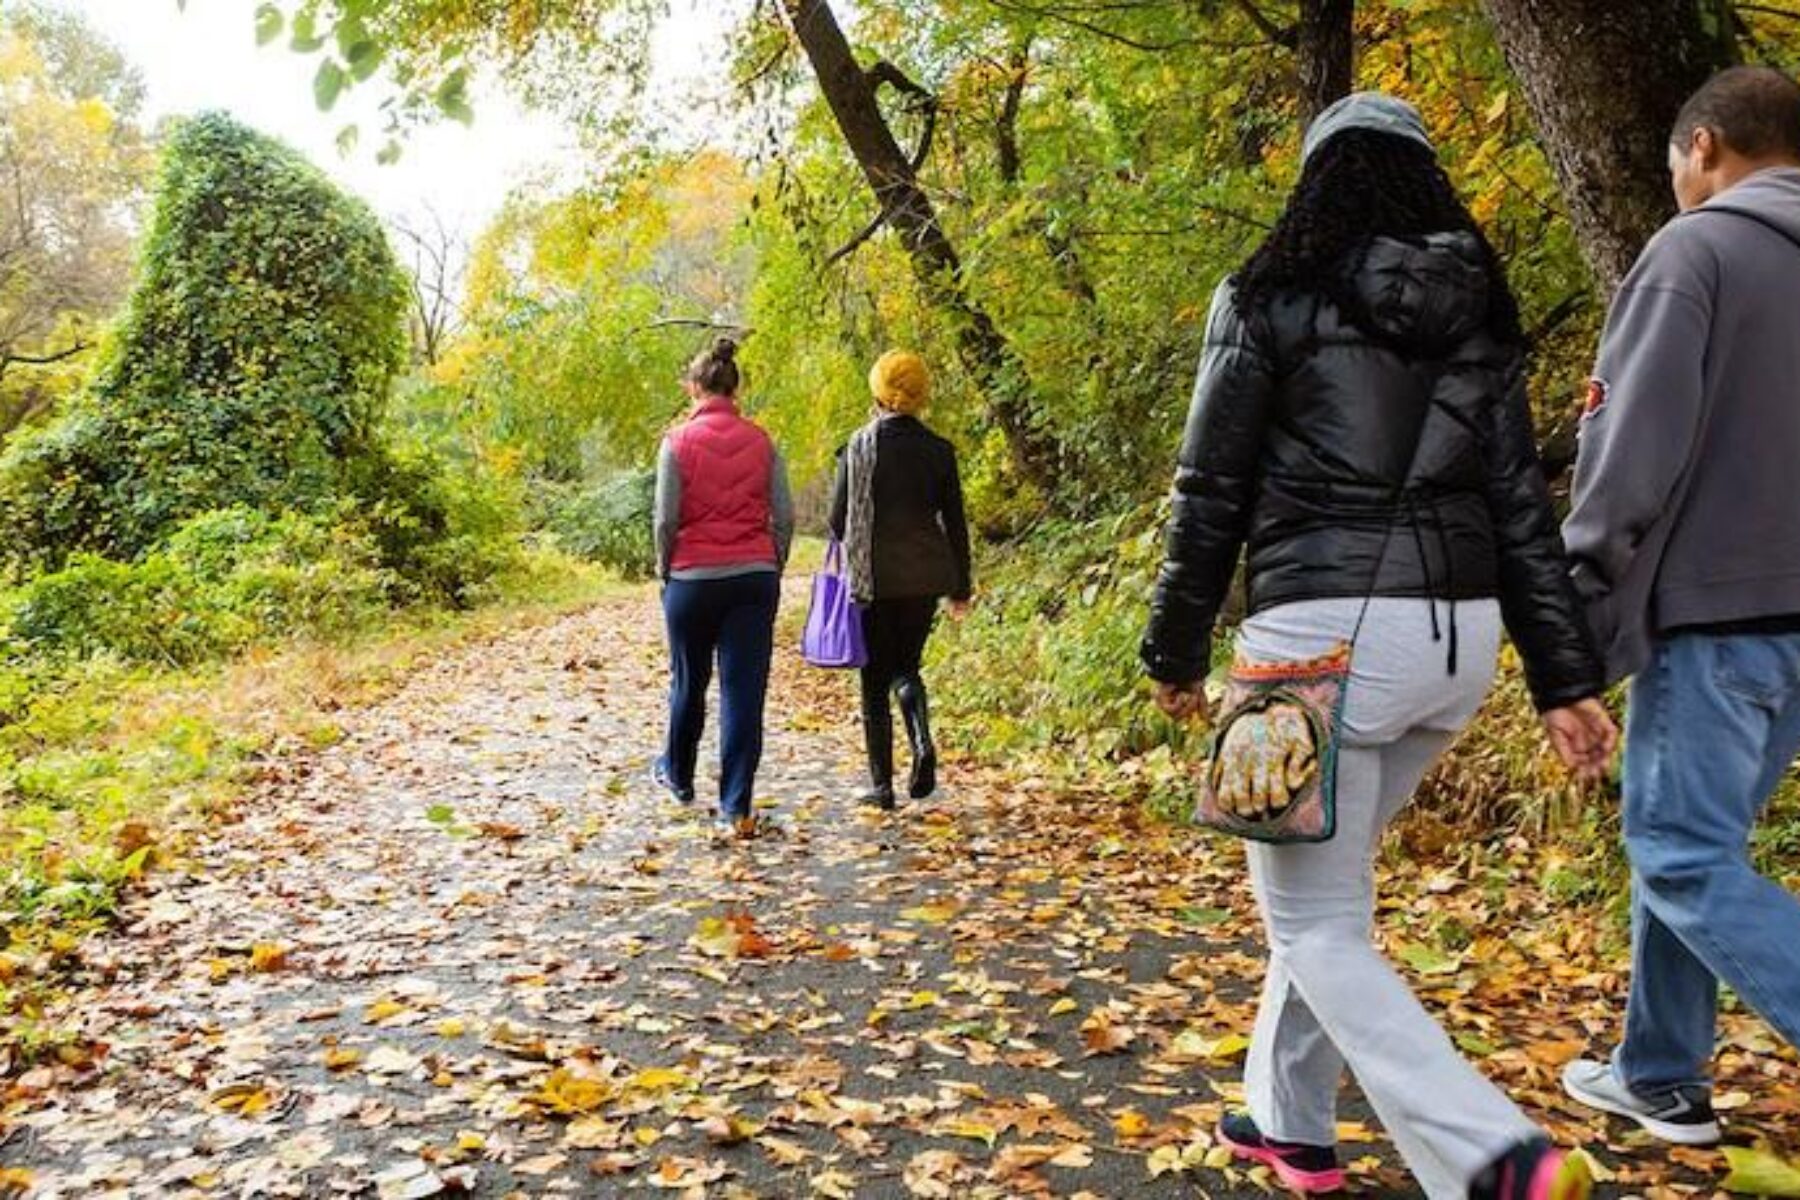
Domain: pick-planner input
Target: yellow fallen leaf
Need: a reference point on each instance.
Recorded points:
(938, 912)
(1131, 1124)
(383, 1010)
(715, 938)
(1163, 1160)
(268, 956)
(342, 1058)
(452, 1027)
(243, 1099)
(922, 999)
(1065, 1005)
(1192, 1044)
(974, 1130)
(782, 1152)
(572, 1095)
(1759, 1172)
(659, 1079)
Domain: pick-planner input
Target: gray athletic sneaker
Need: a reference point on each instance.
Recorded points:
(1683, 1115)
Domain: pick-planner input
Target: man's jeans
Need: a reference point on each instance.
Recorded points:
(1714, 725)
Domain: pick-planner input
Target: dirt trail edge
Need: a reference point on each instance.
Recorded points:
(470, 949)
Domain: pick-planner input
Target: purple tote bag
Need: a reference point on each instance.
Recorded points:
(834, 631)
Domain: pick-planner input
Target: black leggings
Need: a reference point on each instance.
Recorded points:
(895, 632)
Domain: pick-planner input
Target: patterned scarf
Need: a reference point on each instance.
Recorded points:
(859, 519)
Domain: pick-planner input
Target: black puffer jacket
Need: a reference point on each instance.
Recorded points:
(921, 533)
(1304, 420)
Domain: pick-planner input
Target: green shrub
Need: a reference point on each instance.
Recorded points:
(251, 367)
(223, 581)
(608, 524)
(1048, 657)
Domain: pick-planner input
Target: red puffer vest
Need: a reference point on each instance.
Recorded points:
(725, 461)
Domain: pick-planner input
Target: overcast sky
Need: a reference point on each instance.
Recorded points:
(207, 58)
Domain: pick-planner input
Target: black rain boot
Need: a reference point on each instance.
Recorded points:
(878, 737)
(917, 711)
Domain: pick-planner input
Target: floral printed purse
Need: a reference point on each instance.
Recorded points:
(1271, 772)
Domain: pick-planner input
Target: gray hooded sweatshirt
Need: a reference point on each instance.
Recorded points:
(1687, 486)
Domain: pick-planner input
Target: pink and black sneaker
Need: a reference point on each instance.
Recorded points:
(1309, 1170)
(1534, 1170)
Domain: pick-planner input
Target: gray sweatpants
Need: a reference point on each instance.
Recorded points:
(1330, 998)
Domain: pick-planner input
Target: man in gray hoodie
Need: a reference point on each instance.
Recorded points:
(1685, 536)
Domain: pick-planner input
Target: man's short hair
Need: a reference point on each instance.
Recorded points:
(1753, 110)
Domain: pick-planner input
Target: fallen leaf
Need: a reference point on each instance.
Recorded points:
(1131, 1124)
(268, 956)
(341, 1058)
(1759, 1172)
(542, 1165)
(390, 1060)
(241, 1099)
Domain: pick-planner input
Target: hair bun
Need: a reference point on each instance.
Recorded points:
(725, 350)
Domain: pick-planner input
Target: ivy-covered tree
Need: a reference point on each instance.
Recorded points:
(251, 367)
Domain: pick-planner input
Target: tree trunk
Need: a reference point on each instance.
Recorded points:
(1604, 81)
(1325, 54)
(1060, 246)
(850, 92)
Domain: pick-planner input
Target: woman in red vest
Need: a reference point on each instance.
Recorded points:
(724, 523)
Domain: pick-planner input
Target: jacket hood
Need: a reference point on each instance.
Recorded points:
(1772, 195)
(1428, 292)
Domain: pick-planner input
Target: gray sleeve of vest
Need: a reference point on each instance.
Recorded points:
(781, 508)
(666, 514)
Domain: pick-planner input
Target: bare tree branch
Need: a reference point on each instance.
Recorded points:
(436, 277)
(1063, 15)
(693, 323)
(43, 360)
(1287, 36)
(854, 244)
(1768, 10)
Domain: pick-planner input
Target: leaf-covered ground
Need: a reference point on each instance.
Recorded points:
(470, 949)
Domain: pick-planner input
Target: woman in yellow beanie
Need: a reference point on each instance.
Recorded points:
(897, 507)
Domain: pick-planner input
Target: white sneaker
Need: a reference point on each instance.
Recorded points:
(1682, 1115)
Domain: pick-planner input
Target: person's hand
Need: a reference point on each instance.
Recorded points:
(960, 608)
(1584, 737)
(1182, 702)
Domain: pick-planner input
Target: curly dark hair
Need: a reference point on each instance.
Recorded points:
(1358, 186)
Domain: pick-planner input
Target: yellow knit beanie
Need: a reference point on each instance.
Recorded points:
(901, 382)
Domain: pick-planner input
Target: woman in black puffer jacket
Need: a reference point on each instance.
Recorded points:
(1360, 432)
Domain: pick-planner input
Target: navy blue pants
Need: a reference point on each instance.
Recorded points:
(735, 619)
